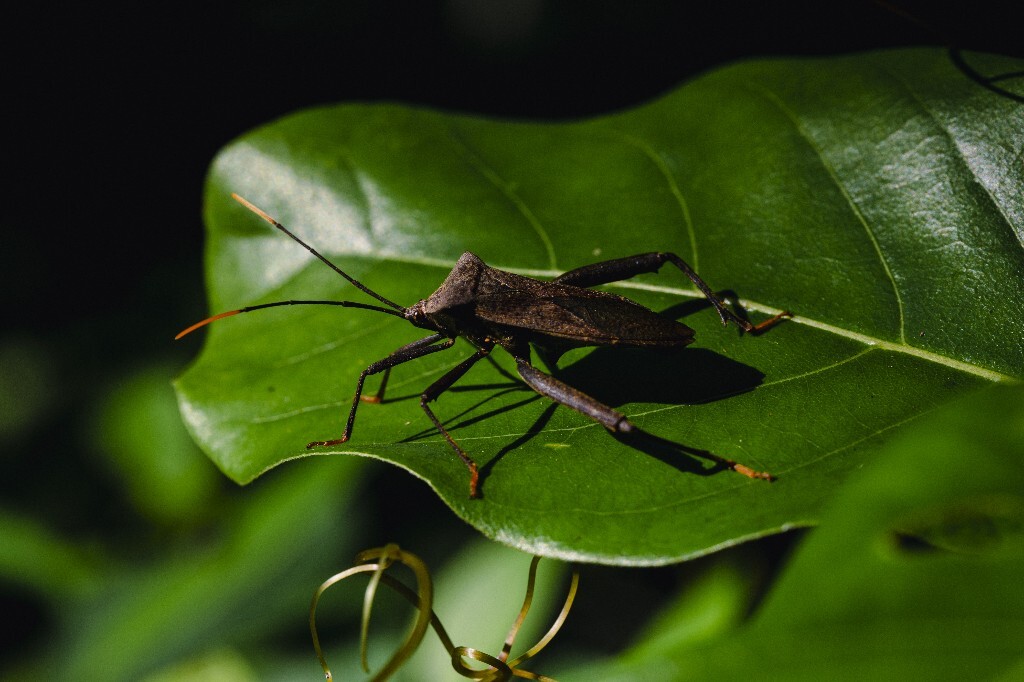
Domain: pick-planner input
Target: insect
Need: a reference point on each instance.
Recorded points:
(490, 307)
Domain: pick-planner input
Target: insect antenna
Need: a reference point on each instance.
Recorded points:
(261, 306)
(393, 309)
(332, 266)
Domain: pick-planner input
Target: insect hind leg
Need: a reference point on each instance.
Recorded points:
(723, 312)
(619, 269)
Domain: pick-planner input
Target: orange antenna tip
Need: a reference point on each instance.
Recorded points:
(205, 322)
(252, 207)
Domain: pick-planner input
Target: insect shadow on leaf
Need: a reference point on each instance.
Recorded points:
(653, 377)
(621, 376)
(499, 668)
(489, 307)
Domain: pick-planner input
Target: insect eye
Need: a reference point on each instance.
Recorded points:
(415, 313)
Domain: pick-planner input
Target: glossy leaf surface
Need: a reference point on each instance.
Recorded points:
(876, 196)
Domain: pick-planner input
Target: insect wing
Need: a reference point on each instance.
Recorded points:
(590, 317)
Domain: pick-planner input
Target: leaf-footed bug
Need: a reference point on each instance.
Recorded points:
(490, 307)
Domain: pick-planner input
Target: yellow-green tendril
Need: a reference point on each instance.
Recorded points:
(371, 592)
(423, 599)
(530, 582)
(555, 627)
(499, 669)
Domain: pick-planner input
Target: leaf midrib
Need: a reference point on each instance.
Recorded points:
(865, 339)
(748, 304)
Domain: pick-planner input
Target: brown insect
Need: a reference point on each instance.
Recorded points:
(490, 307)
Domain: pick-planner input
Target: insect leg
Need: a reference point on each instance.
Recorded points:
(439, 387)
(624, 268)
(612, 420)
(379, 395)
(564, 394)
(404, 354)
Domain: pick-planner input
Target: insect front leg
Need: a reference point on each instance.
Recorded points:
(414, 350)
(379, 395)
(439, 387)
(624, 268)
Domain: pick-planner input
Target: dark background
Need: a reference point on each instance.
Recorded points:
(120, 108)
(116, 110)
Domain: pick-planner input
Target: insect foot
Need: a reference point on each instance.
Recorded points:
(748, 472)
(326, 443)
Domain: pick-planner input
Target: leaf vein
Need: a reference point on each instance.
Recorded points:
(505, 188)
(659, 162)
(820, 154)
(819, 370)
(1019, 235)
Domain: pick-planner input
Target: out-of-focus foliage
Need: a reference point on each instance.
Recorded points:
(161, 469)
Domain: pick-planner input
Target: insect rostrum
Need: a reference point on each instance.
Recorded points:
(489, 307)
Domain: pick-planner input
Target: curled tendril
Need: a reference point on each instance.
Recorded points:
(499, 669)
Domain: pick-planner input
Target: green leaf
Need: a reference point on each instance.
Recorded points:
(870, 594)
(875, 196)
(172, 484)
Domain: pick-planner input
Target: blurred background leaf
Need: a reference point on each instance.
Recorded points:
(158, 464)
